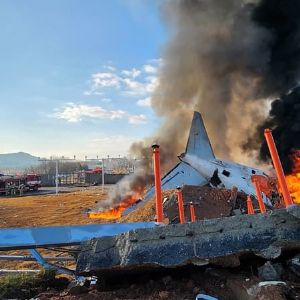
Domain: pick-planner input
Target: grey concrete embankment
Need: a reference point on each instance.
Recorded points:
(217, 240)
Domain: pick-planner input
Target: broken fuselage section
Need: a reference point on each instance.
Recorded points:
(199, 166)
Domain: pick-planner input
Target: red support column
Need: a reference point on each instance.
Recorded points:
(278, 168)
(157, 181)
(180, 206)
(249, 206)
(261, 204)
(192, 212)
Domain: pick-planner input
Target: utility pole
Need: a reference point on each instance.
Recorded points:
(103, 170)
(56, 177)
(57, 160)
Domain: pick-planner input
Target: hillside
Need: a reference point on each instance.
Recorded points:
(17, 161)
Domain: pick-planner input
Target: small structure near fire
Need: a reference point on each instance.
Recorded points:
(209, 203)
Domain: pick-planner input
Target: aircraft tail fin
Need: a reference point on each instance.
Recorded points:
(198, 142)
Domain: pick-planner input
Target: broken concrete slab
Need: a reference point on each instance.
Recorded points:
(196, 243)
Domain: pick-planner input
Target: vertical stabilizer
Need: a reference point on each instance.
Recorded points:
(198, 143)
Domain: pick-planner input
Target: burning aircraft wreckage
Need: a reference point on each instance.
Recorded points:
(226, 211)
(216, 213)
(198, 166)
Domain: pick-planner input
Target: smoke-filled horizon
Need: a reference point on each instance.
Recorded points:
(227, 60)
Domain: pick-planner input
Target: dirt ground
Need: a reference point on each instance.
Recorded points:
(66, 208)
(183, 284)
(46, 210)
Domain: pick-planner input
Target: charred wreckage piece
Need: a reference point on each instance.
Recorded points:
(220, 241)
(199, 166)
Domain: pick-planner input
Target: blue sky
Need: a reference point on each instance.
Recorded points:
(76, 76)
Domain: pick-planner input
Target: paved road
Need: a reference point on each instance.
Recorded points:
(49, 190)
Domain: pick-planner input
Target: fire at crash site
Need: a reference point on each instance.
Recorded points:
(150, 150)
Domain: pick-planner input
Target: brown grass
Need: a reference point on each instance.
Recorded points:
(46, 210)
(55, 210)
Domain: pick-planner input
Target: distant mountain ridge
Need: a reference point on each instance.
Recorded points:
(17, 161)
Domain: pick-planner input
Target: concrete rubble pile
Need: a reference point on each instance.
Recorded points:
(226, 252)
(222, 241)
(209, 203)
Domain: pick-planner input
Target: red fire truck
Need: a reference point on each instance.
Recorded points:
(18, 184)
(32, 182)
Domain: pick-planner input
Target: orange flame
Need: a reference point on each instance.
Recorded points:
(116, 212)
(293, 179)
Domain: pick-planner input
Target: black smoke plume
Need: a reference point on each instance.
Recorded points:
(281, 19)
(226, 59)
(284, 120)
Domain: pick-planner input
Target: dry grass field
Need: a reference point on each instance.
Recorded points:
(50, 210)
(62, 209)
(47, 210)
